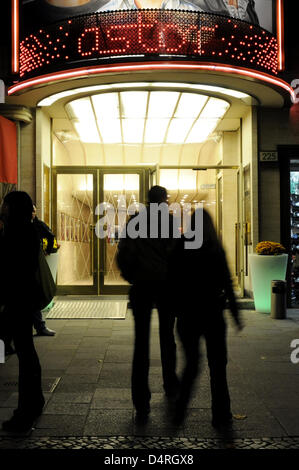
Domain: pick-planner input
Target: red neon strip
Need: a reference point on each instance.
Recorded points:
(83, 72)
(280, 32)
(15, 36)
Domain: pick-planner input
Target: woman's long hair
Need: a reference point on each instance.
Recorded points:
(209, 232)
(18, 208)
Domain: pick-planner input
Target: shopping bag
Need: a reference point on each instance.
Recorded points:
(45, 282)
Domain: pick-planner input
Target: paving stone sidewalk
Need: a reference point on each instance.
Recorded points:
(86, 381)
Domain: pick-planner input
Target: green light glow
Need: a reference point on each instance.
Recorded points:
(264, 269)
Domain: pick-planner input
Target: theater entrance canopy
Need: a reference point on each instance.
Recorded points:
(184, 45)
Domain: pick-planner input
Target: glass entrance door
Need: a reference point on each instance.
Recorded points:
(217, 188)
(74, 222)
(229, 226)
(119, 191)
(87, 263)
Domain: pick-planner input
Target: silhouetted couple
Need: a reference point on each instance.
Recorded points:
(192, 284)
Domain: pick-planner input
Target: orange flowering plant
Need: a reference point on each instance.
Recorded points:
(269, 248)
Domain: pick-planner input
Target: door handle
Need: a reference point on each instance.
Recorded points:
(246, 248)
(91, 248)
(237, 228)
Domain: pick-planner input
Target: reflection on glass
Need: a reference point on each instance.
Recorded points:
(119, 190)
(294, 218)
(178, 179)
(185, 186)
(74, 217)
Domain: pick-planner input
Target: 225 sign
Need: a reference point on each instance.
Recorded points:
(271, 156)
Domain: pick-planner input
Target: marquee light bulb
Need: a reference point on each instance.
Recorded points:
(147, 34)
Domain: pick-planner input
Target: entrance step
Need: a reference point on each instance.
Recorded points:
(243, 304)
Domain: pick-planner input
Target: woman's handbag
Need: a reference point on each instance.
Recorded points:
(45, 281)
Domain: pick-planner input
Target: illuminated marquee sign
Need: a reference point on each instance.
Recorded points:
(139, 34)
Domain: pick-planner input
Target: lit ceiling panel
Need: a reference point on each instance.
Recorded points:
(110, 130)
(162, 104)
(87, 132)
(155, 130)
(178, 130)
(214, 108)
(106, 106)
(48, 101)
(133, 104)
(190, 105)
(133, 131)
(146, 117)
(86, 128)
(201, 130)
(78, 108)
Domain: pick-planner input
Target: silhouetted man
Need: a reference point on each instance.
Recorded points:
(144, 262)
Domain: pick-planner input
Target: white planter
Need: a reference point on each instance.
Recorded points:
(264, 269)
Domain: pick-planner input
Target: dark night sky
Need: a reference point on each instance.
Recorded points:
(291, 37)
(40, 12)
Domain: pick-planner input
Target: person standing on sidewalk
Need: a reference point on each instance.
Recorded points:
(5, 335)
(143, 262)
(45, 233)
(205, 282)
(19, 252)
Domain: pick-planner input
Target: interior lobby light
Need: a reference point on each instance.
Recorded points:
(133, 104)
(155, 130)
(214, 108)
(178, 130)
(209, 88)
(49, 100)
(187, 180)
(87, 131)
(201, 130)
(127, 182)
(106, 105)
(178, 179)
(190, 105)
(79, 108)
(110, 131)
(146, 117)
(133, 130)
(162, 104)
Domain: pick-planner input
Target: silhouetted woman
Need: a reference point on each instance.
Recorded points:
(205, 284)
(19, 247)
